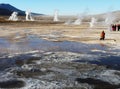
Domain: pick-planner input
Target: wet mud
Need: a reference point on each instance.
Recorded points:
(12, 84)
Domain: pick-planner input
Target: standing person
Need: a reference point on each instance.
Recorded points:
(102, 35)
(113, 27)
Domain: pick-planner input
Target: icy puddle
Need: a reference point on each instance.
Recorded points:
(34, 63)
(32, 42)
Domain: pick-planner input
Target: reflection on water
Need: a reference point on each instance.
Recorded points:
(32, 42)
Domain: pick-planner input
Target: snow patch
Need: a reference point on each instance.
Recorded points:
(39, 84)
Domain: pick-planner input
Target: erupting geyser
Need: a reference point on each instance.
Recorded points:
(78, 21)
(93, 21)
(68, 22)
(109, 19)
(29, 16)
(14, 16)
(56, 16)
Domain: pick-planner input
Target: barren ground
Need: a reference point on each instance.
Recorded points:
(49, 30)
(59, 70)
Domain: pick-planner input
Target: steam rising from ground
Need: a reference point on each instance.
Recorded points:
(56, 16)
(93, 22)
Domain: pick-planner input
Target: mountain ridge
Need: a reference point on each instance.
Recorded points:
(7, 10)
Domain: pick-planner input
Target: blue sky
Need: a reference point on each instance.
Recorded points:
(65, 7)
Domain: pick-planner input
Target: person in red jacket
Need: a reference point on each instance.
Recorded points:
(102, 35)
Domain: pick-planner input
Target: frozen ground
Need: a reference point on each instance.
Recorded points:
(29, 62)
(56, 70)
(68, 65)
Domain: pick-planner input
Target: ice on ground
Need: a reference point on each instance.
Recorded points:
(96, 50)
(66, 72)
(59, 69)
(39, 84)
(67, 57)
(5, 76)
(110, 76)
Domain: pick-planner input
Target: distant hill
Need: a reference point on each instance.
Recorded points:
(7, 10)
